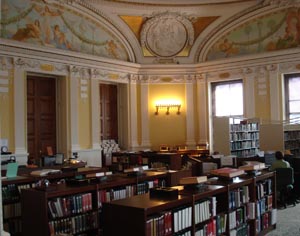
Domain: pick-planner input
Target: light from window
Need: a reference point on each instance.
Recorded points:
(293, 97)
(228, 99)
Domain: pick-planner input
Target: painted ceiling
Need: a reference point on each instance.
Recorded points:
(155, 31)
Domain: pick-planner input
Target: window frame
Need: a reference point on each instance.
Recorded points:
(234, 118)
(287, 78)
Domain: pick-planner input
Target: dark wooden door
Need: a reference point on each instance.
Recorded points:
(108, 112)
(41, 116)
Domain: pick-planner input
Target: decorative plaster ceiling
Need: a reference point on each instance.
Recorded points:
(175, 2)
(169, 31)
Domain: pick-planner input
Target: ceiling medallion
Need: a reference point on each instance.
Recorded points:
(167, 34)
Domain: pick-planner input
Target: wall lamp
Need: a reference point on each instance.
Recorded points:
(167, 107)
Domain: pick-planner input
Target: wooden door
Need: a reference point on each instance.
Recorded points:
(108, 112)
(41, 116)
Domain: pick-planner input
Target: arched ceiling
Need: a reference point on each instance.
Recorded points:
(172, 31)
(155, 31)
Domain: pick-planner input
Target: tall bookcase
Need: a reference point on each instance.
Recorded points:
(241, 140)
(280, 137)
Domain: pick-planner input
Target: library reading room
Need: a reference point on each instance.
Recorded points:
(150, 117)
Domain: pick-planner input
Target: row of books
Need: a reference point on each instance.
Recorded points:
(264, 188)
(182, 218)
(65, 206)
(209, 229)
(11, 210)
(238, 197)
(160, 225)
(245, 153)
(265, 220)
(242, 144)
(292, 135)
(263, 205)
(244, 127)
(74, 225)
(10, 192)
(221, 223)
(244, 136)
(243, 230)
(126, 191)
(238, 217)
(202, 211)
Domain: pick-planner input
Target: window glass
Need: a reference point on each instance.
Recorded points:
(228, 98)
(292, 97)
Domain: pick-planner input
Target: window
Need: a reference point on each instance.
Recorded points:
(292, 98)
(228, 99)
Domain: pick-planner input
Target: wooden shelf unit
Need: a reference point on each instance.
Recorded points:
(132, 216)
(11, 193)
(37, 221)
(123, 160)
(11, 204)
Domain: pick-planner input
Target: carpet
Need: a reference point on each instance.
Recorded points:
(288, 222)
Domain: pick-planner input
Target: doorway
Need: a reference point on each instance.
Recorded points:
(108, 111)
(41, 116)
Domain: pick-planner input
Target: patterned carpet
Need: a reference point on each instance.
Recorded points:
(288, 222)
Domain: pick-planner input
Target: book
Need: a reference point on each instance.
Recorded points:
(252, 165)
(193, 180)
(227, 172)
(44, 172)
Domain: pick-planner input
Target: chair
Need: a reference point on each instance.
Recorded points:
(284, 186)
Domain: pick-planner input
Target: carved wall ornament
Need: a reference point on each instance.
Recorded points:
(167, 34)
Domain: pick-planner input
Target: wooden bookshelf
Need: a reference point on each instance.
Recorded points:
(168, 160)
(11, 204)
(232, 204)
(79, 219)
(11, 192)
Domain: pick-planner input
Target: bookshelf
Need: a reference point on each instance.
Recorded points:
(11, 204)
(241, 140)
(266, 203)
(292, 138)
(220, 208)
(140, 214)
(76, 210)
(284, 137)
(246, 211)
(123, 160)
(12, 187)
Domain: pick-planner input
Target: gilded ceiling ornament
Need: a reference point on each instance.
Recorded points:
(167, 34)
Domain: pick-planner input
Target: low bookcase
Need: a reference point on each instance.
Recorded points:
(243, 206)
(77, 210)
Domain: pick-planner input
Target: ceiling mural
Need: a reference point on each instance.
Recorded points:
(58, 26)
(275, 31)
(167, 34)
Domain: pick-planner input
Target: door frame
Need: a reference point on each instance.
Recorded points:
(61, 111)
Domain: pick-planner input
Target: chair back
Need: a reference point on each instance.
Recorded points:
(284, 177)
